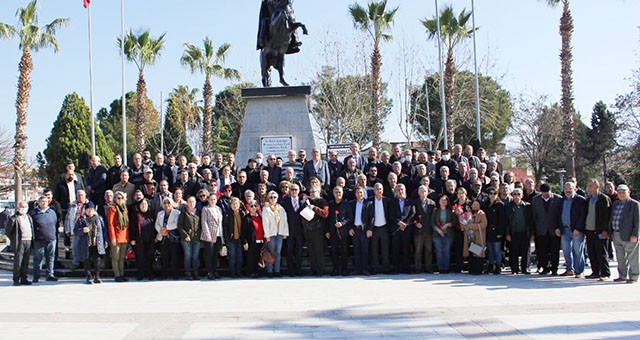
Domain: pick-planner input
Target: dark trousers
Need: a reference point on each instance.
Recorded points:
(315, 244)
(519, 252)
(22, 253)
(423, 249)
(144, 252)
(211, 251)
(339, 252)
(294, 254)
(380, 244)
(170, 253)
(253, 256)
(92, 259)
(401, 250)
(548, 252)
(597, 249)
(360, 251)
(457, 248)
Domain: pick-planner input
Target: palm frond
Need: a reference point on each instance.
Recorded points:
(7, 31)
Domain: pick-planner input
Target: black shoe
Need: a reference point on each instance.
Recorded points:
(25, 282)
(217, 276)
(124, 279)
(52, 279)
(277, 274)
(97, 279)
(526, 272)
(196, 277)
(544, 272)
(210, 276)
(188, 276)
(16, 283)
(119, 279)
(36, 280)
(140, 278)
(89, 280)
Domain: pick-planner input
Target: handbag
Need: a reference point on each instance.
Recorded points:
(475, 248)
(266, 255)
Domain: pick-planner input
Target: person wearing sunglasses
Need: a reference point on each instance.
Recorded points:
(254, 236)
(118, 224)
(234, 225)
(496, 224)
(276, 229)
(519, 226)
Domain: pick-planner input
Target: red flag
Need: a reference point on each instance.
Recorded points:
(87, 3)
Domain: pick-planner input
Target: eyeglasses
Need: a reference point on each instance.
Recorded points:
(516, 194)
(202, 196)
(119, 198)
(228, 190)
(292, 189)
(253, 206)
(273, 197)
(492, 193)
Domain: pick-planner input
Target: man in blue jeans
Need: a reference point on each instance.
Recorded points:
(571, 228)
(45, 223)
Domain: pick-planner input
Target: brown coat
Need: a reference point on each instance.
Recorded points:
(115, 233)
(479, 227)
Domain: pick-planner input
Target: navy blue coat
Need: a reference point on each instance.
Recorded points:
(83, 239)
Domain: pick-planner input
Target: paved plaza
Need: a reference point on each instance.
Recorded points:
(452, 306)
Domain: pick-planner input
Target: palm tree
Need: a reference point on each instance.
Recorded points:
(32, 38)
(376, 21)
(142, 50)
(209, 62)
(189, 106)
(453, 31)
(566, 75)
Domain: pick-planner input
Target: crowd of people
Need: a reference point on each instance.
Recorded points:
(394, 212)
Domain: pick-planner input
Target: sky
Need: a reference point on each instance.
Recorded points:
(518, 43)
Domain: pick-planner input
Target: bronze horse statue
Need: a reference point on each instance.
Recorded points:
(276, 37)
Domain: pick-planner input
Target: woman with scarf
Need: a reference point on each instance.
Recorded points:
(189, 228)
(234, 225)
(276, 229)
(118, 221)
(475, 238)
(211, 236)
(142, 234)
(90, 242)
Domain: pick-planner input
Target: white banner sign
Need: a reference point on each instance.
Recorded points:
(276, 145)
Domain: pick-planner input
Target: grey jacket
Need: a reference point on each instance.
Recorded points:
(629, 220)
(545, 221)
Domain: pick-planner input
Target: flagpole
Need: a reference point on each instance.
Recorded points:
(475, 64)
(93, 122)
(161, 125)
(124, 99)
(442, 97)
(426, 95)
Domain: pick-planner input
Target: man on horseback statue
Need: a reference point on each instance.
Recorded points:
(277, 36)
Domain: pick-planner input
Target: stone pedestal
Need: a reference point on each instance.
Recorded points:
(276, 112)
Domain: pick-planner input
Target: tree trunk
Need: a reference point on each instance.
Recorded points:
(22, 104)
(449, 93)
(207, 116)
(566, 57)
(141, 122)
(376, 92)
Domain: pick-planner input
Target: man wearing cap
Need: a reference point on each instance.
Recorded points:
(543, 208)
(149, 187)
(625, 219)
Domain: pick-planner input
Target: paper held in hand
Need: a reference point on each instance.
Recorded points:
(307, 213)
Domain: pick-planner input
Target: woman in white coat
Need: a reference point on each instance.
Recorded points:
(276, 229)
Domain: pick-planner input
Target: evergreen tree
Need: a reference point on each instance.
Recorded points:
(175, 135)
(228, 114)
(496, 110)
(602, 134)
(70, 139)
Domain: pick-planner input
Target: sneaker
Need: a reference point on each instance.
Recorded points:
(620, 280)
(52, 279)
(605, 279)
